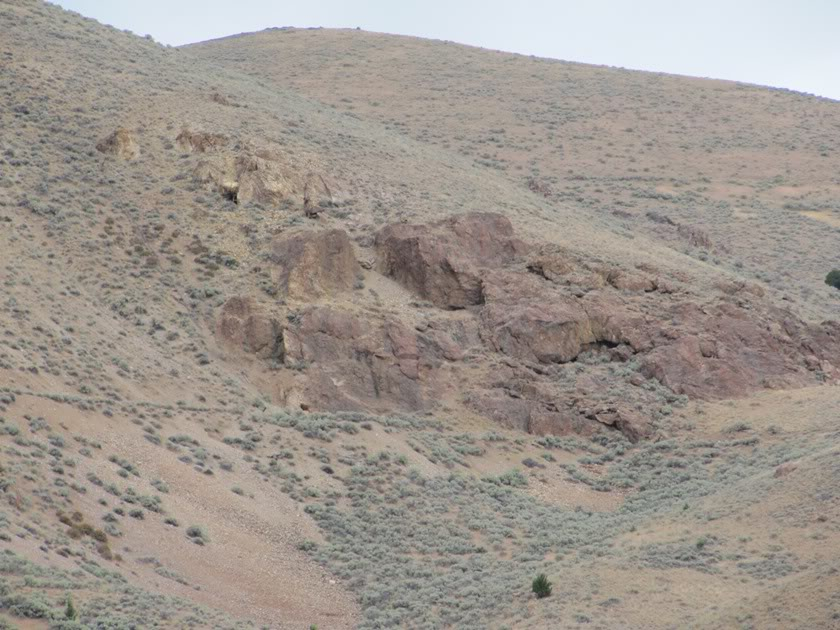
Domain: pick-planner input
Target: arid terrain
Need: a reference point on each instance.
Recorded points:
(335, 329)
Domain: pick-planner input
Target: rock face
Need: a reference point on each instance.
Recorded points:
(356, 364)
(531, 337)
(726, 351)
(243, 325)
(530, 320)
(442, 262)
(538, 332)
(312, 264)
(120, 144)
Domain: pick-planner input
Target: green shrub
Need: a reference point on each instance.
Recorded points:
(541, 586)
(197, 534)
(70, 610)
(833, 278)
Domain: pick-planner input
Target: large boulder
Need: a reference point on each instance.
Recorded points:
(548, 332)
(442, 262)
(312, 264)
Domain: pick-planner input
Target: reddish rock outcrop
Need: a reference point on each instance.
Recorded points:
(354, 362)
(312, 264)
(728, 351)
(552, 332)
(539, 343)
(442, 262)
(525, 319)
(243, 325)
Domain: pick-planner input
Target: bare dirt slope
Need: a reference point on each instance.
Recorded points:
(337, 329)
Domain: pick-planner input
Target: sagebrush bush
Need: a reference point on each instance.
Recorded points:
(833, 278)
(197, 534)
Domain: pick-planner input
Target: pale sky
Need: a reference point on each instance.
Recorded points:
(793, 44)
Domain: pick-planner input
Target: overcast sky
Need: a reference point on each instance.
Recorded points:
(784, 43)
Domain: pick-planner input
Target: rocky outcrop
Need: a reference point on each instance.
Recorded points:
(728, 351)
(120, 144)
(542, 332)
(200, 141)
(354, 362)
(533, 338)
(243, 325)
(259, 175)
(312, 264)
(533, 321)
(250, 177)
(347, 360)
(442, 262)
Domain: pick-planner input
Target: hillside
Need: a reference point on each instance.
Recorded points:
(753, 167)
(338, 329)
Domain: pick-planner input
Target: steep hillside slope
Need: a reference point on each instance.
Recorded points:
(755, 168)
(273, 354)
